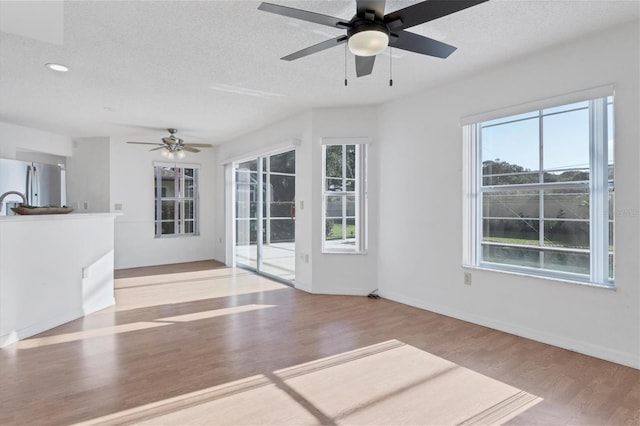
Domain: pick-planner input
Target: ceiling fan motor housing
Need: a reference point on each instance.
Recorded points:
(367, 38)
(173, 143)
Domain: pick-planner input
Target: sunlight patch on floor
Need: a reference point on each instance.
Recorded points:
(142, 292)
(164, 278)
(387, 383)
(215, 313)
(37, 342)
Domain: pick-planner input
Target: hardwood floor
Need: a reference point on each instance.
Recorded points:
(185, 328)
(202, 265)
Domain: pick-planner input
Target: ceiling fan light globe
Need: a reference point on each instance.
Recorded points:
(368, 43)
(164, 153)
(180, 154)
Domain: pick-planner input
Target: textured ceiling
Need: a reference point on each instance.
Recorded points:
(212, 68)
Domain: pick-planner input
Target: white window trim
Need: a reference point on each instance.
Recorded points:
(360, 193)
(230, 221)
(274, 149)
(565, 99)
(598, 189)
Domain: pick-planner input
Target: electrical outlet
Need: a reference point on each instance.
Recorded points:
(467, 278)
(86, 205)
(85, 272)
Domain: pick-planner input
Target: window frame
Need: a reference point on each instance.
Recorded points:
(178, 218)
(359, 193)
(599, 186)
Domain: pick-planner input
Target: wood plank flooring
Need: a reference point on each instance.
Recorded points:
(185, 328)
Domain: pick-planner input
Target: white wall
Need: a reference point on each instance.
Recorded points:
(104, 171)
(323, 273)
(17, 138)
(354, 274)
(88, 175)
(294, 130)
(131, 177)
(420, 205)
(42, 259)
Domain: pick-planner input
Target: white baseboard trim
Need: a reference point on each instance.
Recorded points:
(49, 323)
(34, 329)
(586, 348)
(302, 286)
(342, 291)
(95, 307)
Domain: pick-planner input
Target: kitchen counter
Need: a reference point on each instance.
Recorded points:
(53, 269)
(66, 216)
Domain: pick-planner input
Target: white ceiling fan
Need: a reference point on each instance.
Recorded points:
(173, 146)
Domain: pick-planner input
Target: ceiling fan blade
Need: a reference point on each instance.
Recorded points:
(376, 5)
(428, 11)
(316, 48)
(421, 44)
(155, 149)
(364, 65)
(147, 143)
(199, 145)
(303, 15)
(187, 148)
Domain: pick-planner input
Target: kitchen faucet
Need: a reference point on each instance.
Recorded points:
(6, 194)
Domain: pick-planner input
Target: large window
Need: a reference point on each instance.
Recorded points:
(541, 192)
(344, 195)
(176, 199)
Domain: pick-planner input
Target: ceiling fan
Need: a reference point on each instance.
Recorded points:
(173, 146)
(370, 31)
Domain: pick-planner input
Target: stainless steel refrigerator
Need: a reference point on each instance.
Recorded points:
(40, 184)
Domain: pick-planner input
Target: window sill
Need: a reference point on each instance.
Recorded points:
(542, 277)
(176, 236)
(344, 252)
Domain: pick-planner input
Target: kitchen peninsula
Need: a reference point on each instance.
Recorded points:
(53, 269)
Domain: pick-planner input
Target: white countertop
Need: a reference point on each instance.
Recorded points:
(67, 216)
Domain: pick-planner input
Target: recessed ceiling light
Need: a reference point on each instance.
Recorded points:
(57, 67)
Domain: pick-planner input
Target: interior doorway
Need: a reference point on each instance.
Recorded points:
(265, 215)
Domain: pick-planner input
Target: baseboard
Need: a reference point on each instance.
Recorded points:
(302, 286)
(586, 348)
(95, 307)
(32, 330)
(342, 291)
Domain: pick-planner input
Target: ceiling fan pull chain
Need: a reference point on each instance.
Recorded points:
(345, 64)
(390, 66)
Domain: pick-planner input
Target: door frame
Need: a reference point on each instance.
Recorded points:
(230, 209)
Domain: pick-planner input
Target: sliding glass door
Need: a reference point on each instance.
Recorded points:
(265, 215)
(246, 214)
